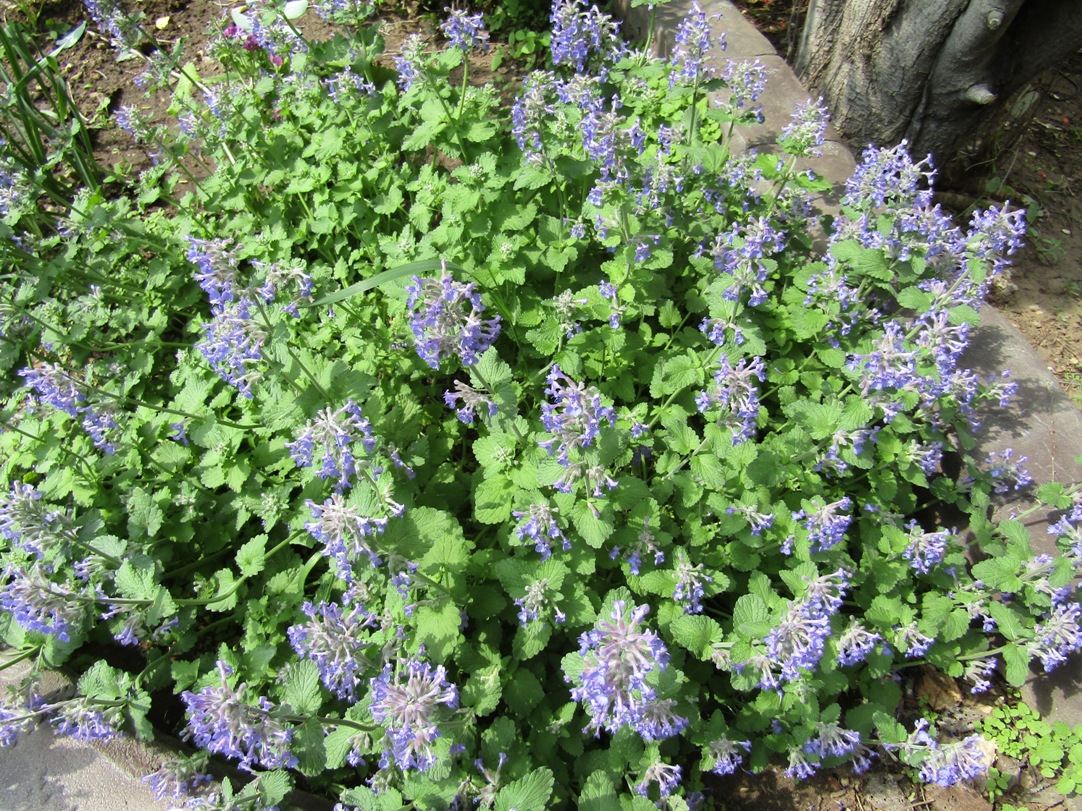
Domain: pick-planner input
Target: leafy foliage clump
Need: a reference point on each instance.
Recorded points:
(443, 452)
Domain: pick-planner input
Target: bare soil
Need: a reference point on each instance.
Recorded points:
(1043, 297)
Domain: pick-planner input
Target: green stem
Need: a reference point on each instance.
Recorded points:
(21, 657)
(465, 85)
(293, 356)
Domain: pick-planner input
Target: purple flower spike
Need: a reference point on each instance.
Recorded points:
(689, 63)
(446, 321)
(407, 707)
(574, 416)
(345, 533)
(465, 31)
(618, 658)
(737, 395)
(222, 721)
(726, 754)
(332, 639)
(335, 433)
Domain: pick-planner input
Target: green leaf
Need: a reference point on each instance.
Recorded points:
(531, 793)
(1016, 664)
(135, 581)
(594, 529)
(864, 261)
(674, 375)
(1007, 620)
(338, 744)
(751, 618)
(301, 691)
(144, 515)
(493, 499)
(70, 39)
(523, 692)
(530, 640)
(438, 629)
(1055, 495)
(309, 748)
(598, 793)
(495, 450)
(274, 786)
(251, 556)
(294, 9)
(482, 689)
(696, 634)
(224, 596)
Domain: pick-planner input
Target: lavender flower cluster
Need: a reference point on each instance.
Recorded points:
(223, 721)
(233, 341)
(59, 389)
(446, 320)
(619, 656)
(407, 704)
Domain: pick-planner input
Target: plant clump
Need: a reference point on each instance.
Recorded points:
(447, 453)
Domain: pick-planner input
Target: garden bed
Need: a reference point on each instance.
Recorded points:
(627, 440)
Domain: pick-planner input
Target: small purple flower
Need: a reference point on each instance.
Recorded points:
(890, 177)
(690, 63)
(979, 671)
(796, 643)
(912, 642)
(86, 722)
(644, 544)
(446, 320)
(943, 764)
(217, 262)
(800, 768)
(667, 778)
(618, 657)
(408, 710)
(31, 526)
(1057, 636)
(57, 388)
(471, 401)
(17, 717)
(925, 549)
(756, 520)
(536, 602)
(233, 346)
(528, 114)
(574, 416)
(727, 755)
(826, 527)
(690, 582)
(222, 721)
(856, 643)
(465, 31)
(582, 36)
(40, 605)
(737, 396)
(803, 136)
(831, 740)
(746, 81)
(345, 533)
(178, 779)
(410, 63)
(538, 524)
(335, 432)
(332, 639)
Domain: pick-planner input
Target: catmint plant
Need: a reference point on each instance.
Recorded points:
(565, 470)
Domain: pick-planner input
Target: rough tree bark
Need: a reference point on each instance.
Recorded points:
(939, 73)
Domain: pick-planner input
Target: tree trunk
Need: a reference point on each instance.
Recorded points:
(941, 74)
